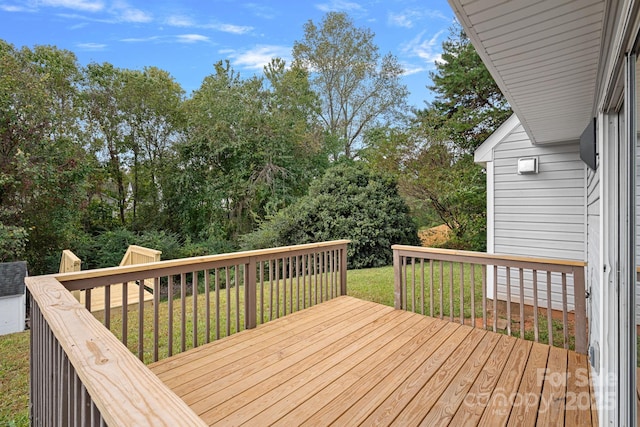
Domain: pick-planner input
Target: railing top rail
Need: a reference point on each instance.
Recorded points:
(190, 262)
(125, 391)
(485, 258)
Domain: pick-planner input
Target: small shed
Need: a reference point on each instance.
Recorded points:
(12, 297)
(536, 204)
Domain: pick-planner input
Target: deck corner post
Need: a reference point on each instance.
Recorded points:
(250, 294)
(343, 269)
(580, 305)
(398, 297)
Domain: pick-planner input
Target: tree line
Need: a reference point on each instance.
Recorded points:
(96, 157)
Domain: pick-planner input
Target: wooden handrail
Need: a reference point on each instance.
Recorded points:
(122, 388)
(79, 280)
(511, 267)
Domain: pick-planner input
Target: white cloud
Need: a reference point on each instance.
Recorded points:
(259, 56)
(91, 46)
(339, 6)
(140, 39)
(180, 21)
(230, 28)
(261, 11)
(12, 8)
(125, 13)
(80, 5)
(410, 17)
(427, 49)
(192, 38)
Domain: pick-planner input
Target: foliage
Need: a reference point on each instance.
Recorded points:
(41, 153)
(358, 88)
(12, 243)
(468, 105)
(248, 152)
(348, 202)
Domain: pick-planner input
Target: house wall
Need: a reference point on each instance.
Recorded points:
(538, 215)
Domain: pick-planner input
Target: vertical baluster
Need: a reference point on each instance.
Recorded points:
(461, 293)
(413, 284)
(183, 311)
(521, 272)
(549, 314)
(405, 303)
(284, 286)
(484, 297)
(509, 301)
(125, 313)
(290, 261)
(140, 319)
(194, 295)
(332, 256)
(298, 282)
(431, 288)
(216, 278)
(321, 274)
(277, 271)
(156, 316)
(87, 299)
(261, 291)
(565, 320)
(441, 290)
(315, 278)
(228, 293)
(237, 286)
(451, 291)
(422, 301)
(107, 307)
(536, 331)
(472, 292)
(270, 291)
(304, 281)
(495, 298)
(207, 307)
(170, 314)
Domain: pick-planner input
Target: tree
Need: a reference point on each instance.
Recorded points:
(349, 202)
(249, 150)
(468, 106)
(358, 88)
(42, 171)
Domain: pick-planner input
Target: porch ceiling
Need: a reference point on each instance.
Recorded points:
(544, 55)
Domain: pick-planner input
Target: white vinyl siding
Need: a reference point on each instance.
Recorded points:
(593, 254)
(538, 215)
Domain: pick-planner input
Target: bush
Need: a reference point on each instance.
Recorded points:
(348, 202)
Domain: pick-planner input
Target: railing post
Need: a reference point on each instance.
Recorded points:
(397, 274)
(343, 270)
(250, 294)
(580, 296)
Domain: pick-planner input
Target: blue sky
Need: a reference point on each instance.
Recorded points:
(186, 38)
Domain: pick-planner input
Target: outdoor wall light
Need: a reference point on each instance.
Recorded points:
(527, 165)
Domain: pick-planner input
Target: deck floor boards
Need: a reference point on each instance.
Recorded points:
(350, 362)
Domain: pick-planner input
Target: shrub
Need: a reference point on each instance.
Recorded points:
(348, 202)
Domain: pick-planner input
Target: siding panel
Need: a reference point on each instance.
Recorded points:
(539, 215)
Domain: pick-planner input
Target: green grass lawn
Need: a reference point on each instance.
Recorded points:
(374, 284)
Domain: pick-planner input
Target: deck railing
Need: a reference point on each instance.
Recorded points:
(82, 371)
(454, 284)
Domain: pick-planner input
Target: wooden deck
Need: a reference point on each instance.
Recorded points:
(352, 362)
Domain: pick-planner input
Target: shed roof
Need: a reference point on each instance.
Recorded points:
(12, 276)
(544, 56)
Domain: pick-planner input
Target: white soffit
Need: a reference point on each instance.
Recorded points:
(544, 55)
